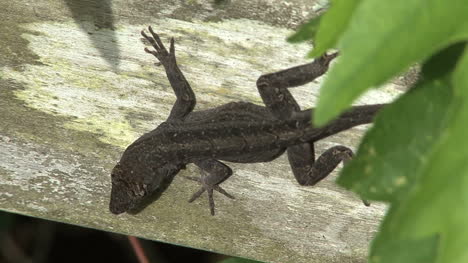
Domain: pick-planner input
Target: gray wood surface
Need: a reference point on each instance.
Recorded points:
(76, 88)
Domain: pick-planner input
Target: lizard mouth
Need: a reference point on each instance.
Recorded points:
(116, 211)
(120, 202)
(118, 207)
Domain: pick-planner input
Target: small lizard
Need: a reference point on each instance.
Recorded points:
(239, 132)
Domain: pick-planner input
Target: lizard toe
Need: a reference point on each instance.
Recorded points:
(193, 178)
(222, 191)
(208, 188)
(197, 194)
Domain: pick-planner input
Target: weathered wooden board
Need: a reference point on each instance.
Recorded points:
(76, 88)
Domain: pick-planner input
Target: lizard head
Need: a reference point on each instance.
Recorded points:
(134, 188)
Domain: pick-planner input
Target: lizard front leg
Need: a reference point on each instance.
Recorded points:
(217, 172)
(186, 100)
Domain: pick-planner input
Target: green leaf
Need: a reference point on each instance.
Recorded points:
(396, 151)
(404, 133)
(239, 260)
(415, 251)
(443, 62)
(383, 38)
(306, 31)
(415, 157)
(334, 23)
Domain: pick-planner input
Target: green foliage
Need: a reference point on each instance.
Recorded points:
(333, 24)
(415, 156)
(404, 134)
(382, 39)
(306, 31)
(415, 251)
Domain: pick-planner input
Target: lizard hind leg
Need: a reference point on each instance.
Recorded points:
(214, 173)
(309, 171)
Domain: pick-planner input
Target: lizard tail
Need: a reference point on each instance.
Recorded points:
(357, 115)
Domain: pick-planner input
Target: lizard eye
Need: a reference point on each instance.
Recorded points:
(116, 171)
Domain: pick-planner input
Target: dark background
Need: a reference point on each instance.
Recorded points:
(26, 240)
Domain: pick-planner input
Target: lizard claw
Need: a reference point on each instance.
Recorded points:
(209, 188)
(160, 51)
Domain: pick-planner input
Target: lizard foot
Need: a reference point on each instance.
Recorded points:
(160, 51)
(209, 188)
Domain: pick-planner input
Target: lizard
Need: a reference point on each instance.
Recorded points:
(240, 132)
